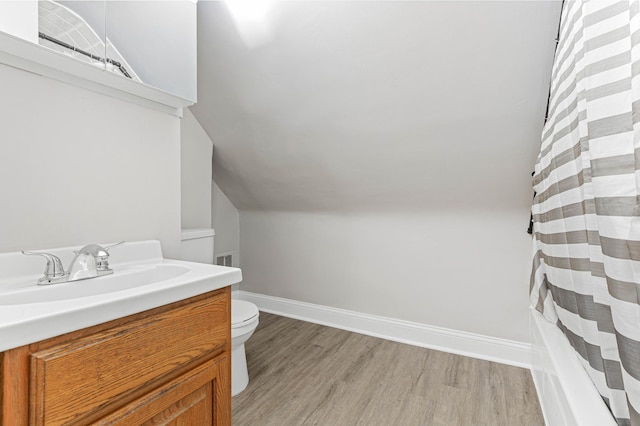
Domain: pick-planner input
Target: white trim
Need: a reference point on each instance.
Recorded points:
(37, 59)
(567, 395)
(443, 339)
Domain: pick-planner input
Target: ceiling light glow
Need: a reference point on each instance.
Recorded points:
(251, 20)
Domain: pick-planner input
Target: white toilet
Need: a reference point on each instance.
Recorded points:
(244, 320)
(197, 246)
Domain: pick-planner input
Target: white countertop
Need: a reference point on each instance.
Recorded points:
(24, 323)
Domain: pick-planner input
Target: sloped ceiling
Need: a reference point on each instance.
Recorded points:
(375, 106)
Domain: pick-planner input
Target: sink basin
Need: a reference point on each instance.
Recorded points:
(142, 279)
(120, 280)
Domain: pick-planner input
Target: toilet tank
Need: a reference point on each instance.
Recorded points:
(197, 245)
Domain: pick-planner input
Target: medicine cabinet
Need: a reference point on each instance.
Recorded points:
(142, 51)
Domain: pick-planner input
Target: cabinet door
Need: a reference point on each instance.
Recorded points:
(199, 397)
(83, 379)
(168, 365)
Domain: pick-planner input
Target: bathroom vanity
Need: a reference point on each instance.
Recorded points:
(168, 364)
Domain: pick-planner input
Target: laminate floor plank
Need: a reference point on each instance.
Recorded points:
(306, 374)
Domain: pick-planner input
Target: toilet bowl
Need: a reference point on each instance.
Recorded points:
(244, 320)
(197, 246)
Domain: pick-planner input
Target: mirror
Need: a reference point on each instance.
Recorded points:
(20, 19)
(151, 42)
(159, 39)
(75, 29)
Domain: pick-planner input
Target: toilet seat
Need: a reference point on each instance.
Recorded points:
(242, 313)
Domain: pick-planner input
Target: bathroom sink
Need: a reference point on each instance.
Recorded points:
(122, 279)
(142, 279)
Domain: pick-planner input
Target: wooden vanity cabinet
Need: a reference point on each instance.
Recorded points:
(167, 366)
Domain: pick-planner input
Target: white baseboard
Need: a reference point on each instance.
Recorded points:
(458, 342)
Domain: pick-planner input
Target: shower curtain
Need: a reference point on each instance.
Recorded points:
(586, 212)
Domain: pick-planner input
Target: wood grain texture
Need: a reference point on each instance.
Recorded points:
(15, 387)
(159, 362)
(222, 391)
(76, 380)
(189, 400)
(306, 374)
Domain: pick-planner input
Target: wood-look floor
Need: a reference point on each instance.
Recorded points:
(306, 374)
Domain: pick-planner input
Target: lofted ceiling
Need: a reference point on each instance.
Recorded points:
(376, 106)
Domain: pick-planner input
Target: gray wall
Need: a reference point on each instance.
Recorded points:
(195, 171)
(226, 222)
(455, 269)
(380, 153)
(204, 205)
(79, 167)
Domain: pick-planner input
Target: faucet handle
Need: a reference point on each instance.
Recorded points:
(103, 261)
(53, 270)
(106, 248)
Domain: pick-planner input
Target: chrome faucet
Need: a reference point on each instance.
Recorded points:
(90, 261)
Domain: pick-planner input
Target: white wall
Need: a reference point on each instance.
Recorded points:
(204, 205)
(378, 105)
(455, 269)
(226, 222)
(195, 159)
(79, 167)
(20, 18)
(399, 137)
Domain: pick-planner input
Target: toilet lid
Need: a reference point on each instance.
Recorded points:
(242, 312)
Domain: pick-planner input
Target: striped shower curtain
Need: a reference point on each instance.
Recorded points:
(586, 212)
